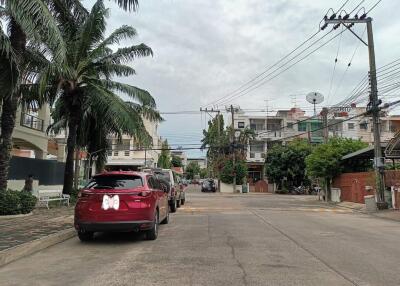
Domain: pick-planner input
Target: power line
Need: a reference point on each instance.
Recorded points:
(278, 62)
(290, 66)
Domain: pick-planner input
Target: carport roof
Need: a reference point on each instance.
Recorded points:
(365, 153)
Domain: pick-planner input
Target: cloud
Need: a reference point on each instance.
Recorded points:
(206, 49)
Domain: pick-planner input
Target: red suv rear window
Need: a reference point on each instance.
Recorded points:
(117, 182)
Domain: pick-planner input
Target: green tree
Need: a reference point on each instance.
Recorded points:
(176, 161)
(192, 169)
(29, 24)
(216, 141)
(325, 160)
(203, 173)
(289, 162)
(164, 160)
(229, 170)
(84, 83)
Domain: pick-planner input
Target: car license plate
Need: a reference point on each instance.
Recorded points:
(110, 202)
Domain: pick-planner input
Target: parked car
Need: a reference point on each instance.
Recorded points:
(176, 191)
(121, 201)
(208, 186)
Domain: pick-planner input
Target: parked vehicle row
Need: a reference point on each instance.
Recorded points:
(127, 201)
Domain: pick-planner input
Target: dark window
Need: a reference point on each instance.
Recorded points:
(117, 182)
(153, 183)
(350, 126)
(164, 175)
(240, 124)
(364, 126)
(302, 126)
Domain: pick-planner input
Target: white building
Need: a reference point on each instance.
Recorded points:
(202, 162)
(127, 155)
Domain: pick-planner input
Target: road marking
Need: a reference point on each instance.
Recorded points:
(317, 210)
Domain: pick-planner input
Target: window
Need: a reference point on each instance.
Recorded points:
(154, 183)
(240, 124)
(126, 153)
(256, 147)
(257, 124)
(350, 126)
(302, 126)
(290, 125)
(116, 153)
(364, 126)
(116, 182)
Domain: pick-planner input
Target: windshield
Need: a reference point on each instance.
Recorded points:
(163, 175)
(115, 182)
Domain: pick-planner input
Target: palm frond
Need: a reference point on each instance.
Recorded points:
(128, 54)
(143, 96)
(5, 46)
(146, 112)
(122, 33)
(129, 5)
(92, 31)
(34, 17)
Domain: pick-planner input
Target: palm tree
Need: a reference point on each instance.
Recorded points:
(17, 61)
(85, 80)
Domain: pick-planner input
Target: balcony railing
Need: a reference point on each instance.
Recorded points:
(32, 122)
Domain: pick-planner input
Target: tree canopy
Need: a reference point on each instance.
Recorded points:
(288, 162)
(192, 169)
(325, 159)
(176, 161)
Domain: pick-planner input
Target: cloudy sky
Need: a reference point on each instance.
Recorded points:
(205, 49)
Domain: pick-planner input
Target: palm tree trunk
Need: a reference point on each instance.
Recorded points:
(69, 162)
(8, 115)
(10, 105)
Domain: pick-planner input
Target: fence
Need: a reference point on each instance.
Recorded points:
(48, 172)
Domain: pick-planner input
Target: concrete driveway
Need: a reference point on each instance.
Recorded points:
(221, 239)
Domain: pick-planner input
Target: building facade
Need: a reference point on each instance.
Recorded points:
(128, 155)
(29, 137)
(271, 130)
(286, 125)
(202, 162)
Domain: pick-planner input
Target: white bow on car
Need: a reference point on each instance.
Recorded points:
(110, 202)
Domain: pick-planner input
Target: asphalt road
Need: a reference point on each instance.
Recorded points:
(215, 239)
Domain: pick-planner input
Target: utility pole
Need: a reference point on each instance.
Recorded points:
(324, 114)
(209, 111)
(374, 103)
(233, 148)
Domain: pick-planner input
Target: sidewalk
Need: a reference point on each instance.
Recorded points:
(385, 214)
(43, 222)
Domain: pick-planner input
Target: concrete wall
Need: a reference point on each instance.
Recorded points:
(228, 188)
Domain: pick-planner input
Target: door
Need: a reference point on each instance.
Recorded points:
(161, 196)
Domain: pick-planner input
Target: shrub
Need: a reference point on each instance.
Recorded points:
(9, 202)
(27, 202)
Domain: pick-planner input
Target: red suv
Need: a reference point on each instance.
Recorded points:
(121, 201)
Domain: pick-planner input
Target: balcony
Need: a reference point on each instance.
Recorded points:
(32, 122)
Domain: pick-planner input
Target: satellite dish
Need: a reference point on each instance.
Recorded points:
(315, 98)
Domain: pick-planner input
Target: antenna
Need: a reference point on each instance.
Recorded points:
(315, 98)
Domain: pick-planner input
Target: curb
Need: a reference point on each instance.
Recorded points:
(28, 248)
(15, 216)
